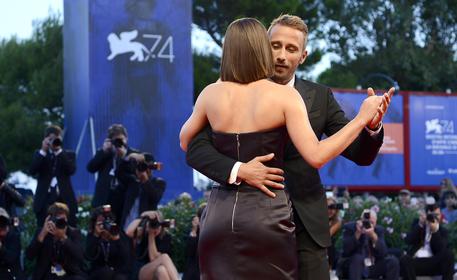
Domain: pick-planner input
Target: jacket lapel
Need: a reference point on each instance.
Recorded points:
(307, 93)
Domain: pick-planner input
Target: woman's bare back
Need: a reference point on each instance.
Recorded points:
(238, 108)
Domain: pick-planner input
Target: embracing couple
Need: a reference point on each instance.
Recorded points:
(257, 120)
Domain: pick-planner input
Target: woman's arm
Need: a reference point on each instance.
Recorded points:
(196, 122)
(316, 152)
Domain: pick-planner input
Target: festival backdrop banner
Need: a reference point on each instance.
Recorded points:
(433, 139)
(388, 168)
(137, 69)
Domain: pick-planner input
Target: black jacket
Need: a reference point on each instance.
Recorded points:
(10, 252)
(103, 163)
(69, 254)
(416, 239)
(352, 246)
(150, 193)
(42, 168)
(302, 180)
(10, 198)
(114, 255)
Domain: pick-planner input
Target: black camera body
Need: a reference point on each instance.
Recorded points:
(143, 166)
(148, 223)
(118, 143)
(4, 222)
(366, 219)
(60, 223)
(56, 142)
(109, 224)
(336, 206)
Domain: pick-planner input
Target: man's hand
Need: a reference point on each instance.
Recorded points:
(45, 144)
(259, 176)
(45, 229)
(370, 233)
(107, 145)
(138, 157)
(386, 99)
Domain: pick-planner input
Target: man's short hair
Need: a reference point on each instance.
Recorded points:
(246, 53)
(58, 208)
(116, 129)
(292, 22)
(52, 129)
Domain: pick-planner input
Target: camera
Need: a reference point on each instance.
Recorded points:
(56, 142)
(118, 143)
(4, 222)
(366, 219)
(336, 206)
(147, 222)
(148, 163)
(432, 217)
(60, 223)
(109, 224)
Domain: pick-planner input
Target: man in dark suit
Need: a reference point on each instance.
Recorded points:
(288, 36)
(53, 167)
(365, 250)
(57, 248)
(10, 249)
(109, 189)
(429, 253)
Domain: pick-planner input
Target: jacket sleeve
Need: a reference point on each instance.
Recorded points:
(413, 238)
(439, 240)
(38, 163)
(35, 247)
(15, 196)
(11, 250)
(365, 148)
(350, 243)
(380, 248)
(204, 157)
(154, 188)
(67, 161)
(98, 161)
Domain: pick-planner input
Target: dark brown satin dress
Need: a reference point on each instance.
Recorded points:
(245, 234)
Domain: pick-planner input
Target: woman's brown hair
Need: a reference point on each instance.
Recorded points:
(246, 53)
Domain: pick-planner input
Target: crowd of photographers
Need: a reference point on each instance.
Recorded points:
(127, 237)
(365, 254)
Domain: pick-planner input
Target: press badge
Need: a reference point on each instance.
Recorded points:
(111, 172)
(57, 270)
(368, 262)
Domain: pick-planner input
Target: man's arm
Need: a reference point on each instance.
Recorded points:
(203, 156)
(67, 159)
(97, 162)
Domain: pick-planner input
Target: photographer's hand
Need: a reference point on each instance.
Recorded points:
(44, 230)
(45, 144)
(136, 156)
(107, 145)
(151, 214)
(422, 218)
(358, 229)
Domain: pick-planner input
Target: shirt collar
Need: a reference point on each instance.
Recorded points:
(291, 83)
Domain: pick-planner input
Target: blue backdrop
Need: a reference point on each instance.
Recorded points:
(137, 68)
(433, 139)
(388, 167)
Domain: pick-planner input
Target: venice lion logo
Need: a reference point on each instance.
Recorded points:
(125, 44)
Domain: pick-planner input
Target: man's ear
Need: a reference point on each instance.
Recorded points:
(303, 56)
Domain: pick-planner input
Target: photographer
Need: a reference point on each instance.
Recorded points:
(154, 264)
(428, 252)
(10, 198)
(10, 249)
(365, 250)
(144, 191)
(53, 167)
(450, 211)
(57, 248)
(106, 250)
(108, 189)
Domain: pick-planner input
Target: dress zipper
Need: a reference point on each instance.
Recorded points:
(236, 195)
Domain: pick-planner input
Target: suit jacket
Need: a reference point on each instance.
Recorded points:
(69, 255)
(302, 180)
(352, 246)
(150, 193)
(10, 253)
(117, 251)
(416, 237)
(65, 168)
(102, 163)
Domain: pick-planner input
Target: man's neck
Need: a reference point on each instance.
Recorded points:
(285, 82)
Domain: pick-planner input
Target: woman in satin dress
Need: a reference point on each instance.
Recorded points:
(244, 233)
